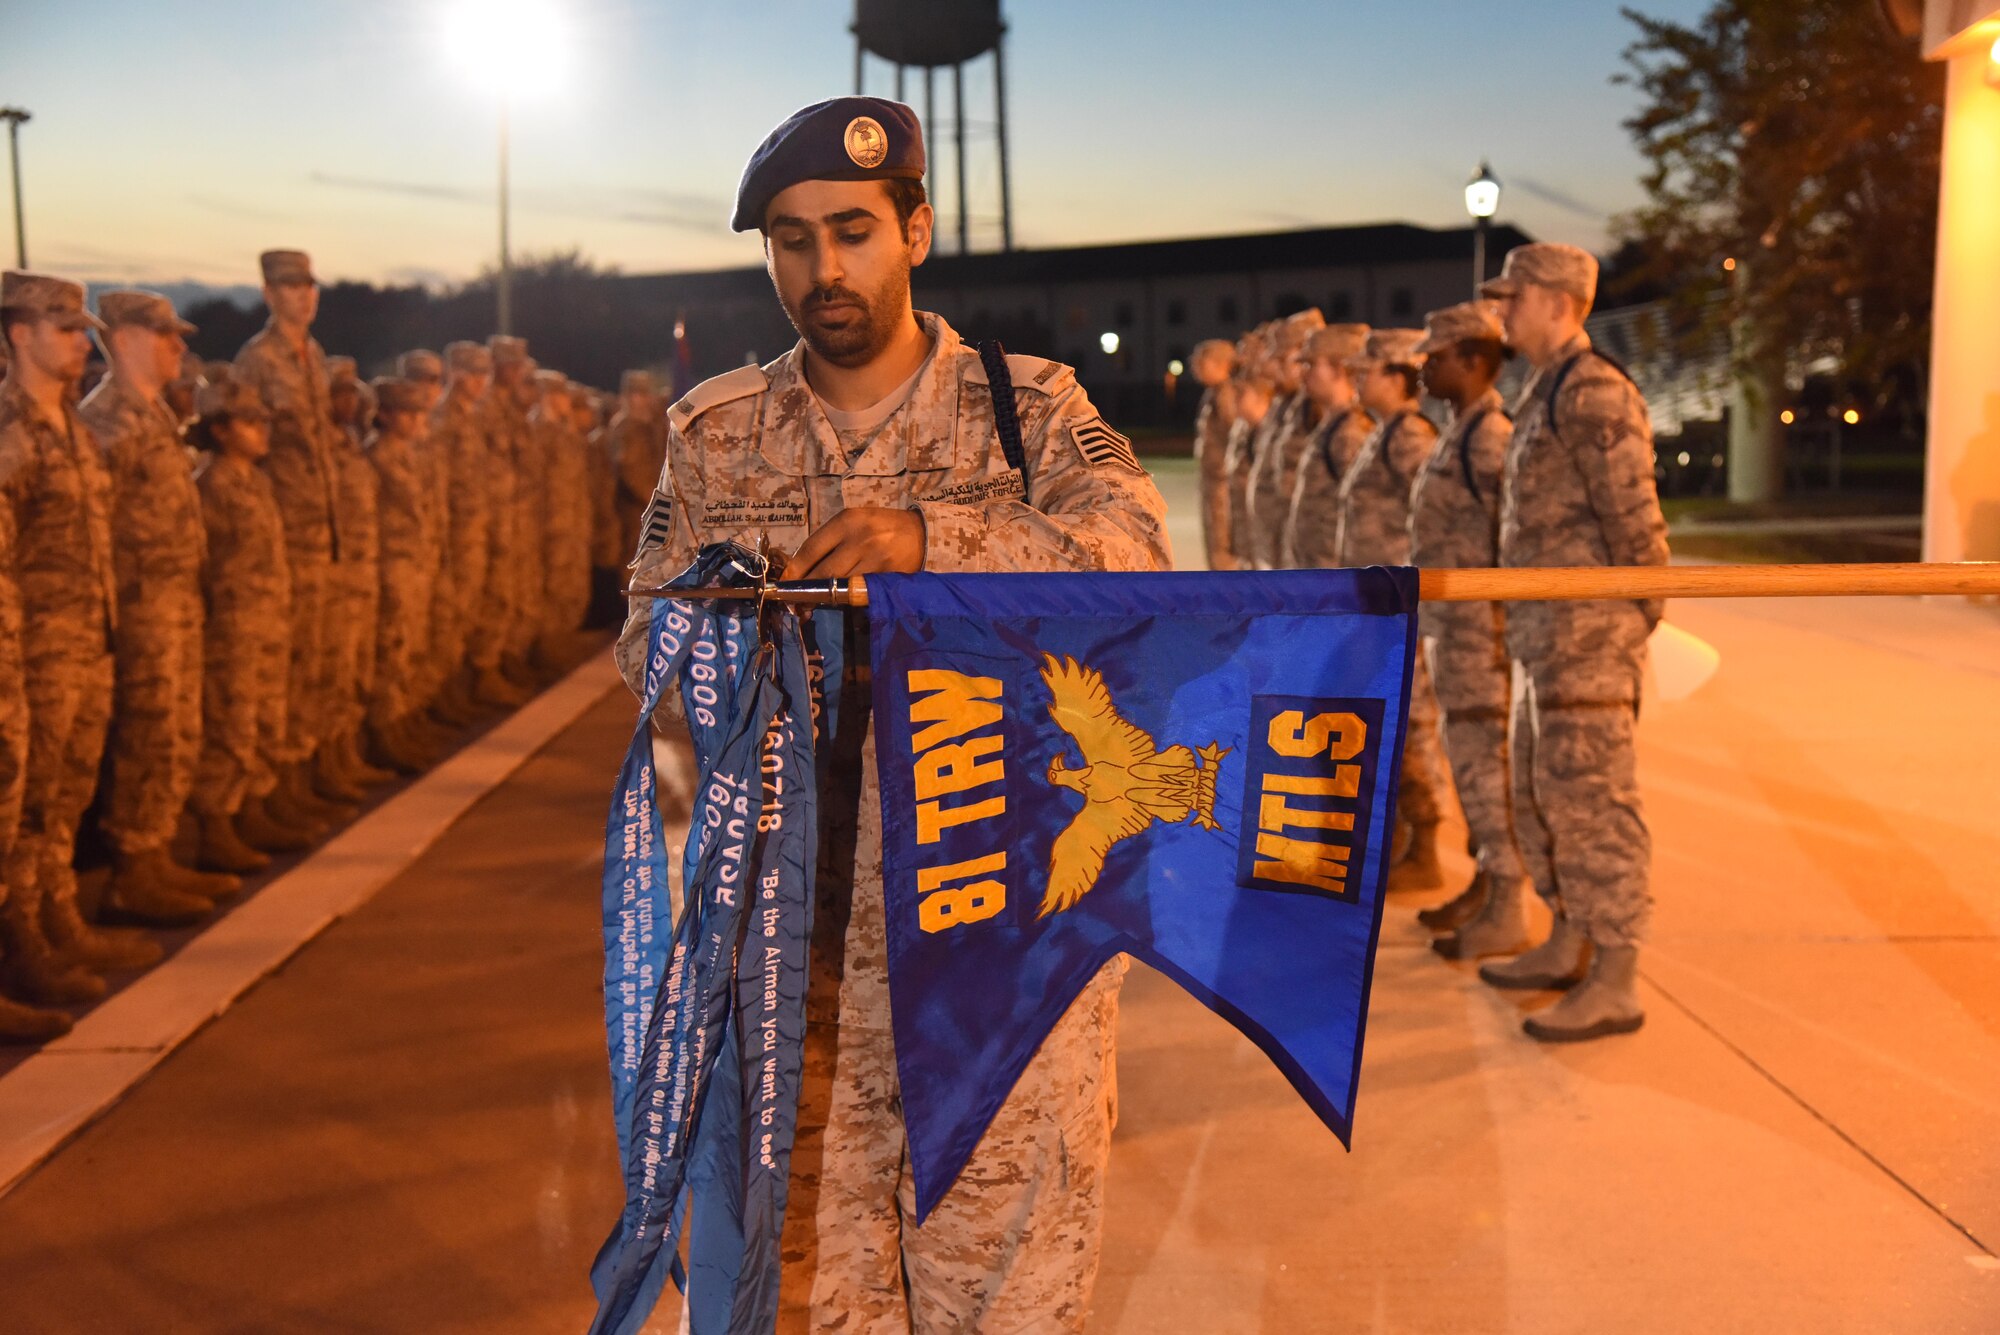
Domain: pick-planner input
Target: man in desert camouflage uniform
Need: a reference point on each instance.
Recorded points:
(287, 367)
(1375, 530)
(1280, 440)
(246, 629)
(872, 446)
(515, 566)
(425, 369)
(462, 639)
(566, 529)
(1211, 364)
(1310, 534)
(638, 440)
(1577, 490)
(156, 549)
(407, 564)
(354, 586)
(55, 497)
(1455, 521)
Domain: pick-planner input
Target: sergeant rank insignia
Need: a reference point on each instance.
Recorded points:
(1127, 784)
(1099, 444)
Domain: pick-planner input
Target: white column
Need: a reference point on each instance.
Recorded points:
(1962, 465)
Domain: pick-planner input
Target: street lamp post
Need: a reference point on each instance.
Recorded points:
(16, 117)
(1482, 201)
(504, 293)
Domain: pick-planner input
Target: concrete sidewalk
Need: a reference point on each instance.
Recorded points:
(406, 1128)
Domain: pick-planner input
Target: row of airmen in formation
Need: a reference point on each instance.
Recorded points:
(248, 592)
(1314, 450)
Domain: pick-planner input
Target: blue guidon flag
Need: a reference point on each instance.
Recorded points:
(1195, 769)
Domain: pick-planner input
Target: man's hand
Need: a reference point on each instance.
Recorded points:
(866, 540)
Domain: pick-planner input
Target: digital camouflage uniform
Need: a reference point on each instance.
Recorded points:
(607, 538)
(459, 436)
(1237, 455)
(566, 528)
(57, 501)
(1311, 533)
(13, 706)
(302, 468)
(247, 636)
(1374, 529)
(1212, 424)
(355, 587)
(407, 559)
(491, 620)
(1578, 490)
(1454, 521)
(1264, 511)
(157, 551)
(1014, 1245)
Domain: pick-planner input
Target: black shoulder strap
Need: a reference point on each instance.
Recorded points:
(1005, 420)
(1326, 435)
(1465, 452)
(1556, 389)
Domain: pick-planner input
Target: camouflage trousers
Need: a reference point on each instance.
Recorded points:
(1420, 795)
(1014, 1245)
(1212, 465)
(1578, 819)
(529, 577)
(155, 739)
(309, 678)
(246, 651)
(488, 606)
(68, 692)
(1473, 680)
(402, 645)
(14, 733)
(567, 599)
(354, 600)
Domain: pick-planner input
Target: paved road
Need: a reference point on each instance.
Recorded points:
(406, 1130)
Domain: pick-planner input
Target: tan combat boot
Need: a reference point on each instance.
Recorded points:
(1554, 965)
(1605, 1003)
(20, 1023)
(143, 887)
(222, 848)
(35, 970)
(1456, 911)
(267, 825)
(1499, 928)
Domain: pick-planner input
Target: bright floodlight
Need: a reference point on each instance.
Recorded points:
(506, 46)
(1482, 194)
(1109, 343)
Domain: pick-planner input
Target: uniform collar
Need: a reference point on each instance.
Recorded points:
(15, 396)
(918, 435)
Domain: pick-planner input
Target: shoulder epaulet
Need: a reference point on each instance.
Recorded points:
(1036, 373)
(727, 388)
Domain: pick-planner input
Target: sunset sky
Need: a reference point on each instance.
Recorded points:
(173, 142)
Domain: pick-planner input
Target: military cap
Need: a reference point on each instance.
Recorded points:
(283, 267)
(1338, 343)
(638, 382)
(1469, 320)
(841, 139)
(420, 364)
(215, 371)
(394, 395)
(41, 296)
(147, 310)
(469, 358)
(1213, 347)
(341, 370)
(1395, 347)
(1546, 264)
(226, 396)
(507, 348)
(1299, 326)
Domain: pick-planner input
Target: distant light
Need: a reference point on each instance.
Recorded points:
(1715, 461)
(1729, 265)
(1175, 367)
(680, 330)
(1109, 342)
(1788, 417)
(1851, 417)
(1685, 457)
(507, 46)
(1482, 194)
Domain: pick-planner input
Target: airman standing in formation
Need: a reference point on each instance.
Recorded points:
(638, 440)
(1311, 526)
(1578, 490)
(873, 445)
(1280, 440)
(567, 519)
(407, 560)
(157, 542)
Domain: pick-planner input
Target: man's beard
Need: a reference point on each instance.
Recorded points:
(870, 323)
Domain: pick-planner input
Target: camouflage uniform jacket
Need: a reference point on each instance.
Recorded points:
(1577, 489)
(301, 462)
(58, 499)
(1311, 533)
(245, 548)
(458, 437)
(1455, 509)
(156, 533)
(1375, 493)
(638, 447)
(1264, 505)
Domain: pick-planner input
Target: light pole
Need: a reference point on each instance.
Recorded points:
(504, 293)
(1482, 201)
(16, 117)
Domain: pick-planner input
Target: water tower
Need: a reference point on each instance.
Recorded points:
(930, 35)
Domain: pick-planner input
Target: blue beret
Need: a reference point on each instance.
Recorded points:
(843, 139)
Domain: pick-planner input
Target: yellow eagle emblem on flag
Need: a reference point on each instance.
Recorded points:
(1126, 783)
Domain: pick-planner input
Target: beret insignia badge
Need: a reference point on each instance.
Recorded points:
(867, 142)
